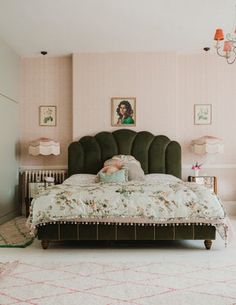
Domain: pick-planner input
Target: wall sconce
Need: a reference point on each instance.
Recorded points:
(45, 147)
(207, 145)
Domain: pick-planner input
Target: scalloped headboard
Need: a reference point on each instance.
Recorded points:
(157, 154)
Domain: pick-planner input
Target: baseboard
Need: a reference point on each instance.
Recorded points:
(230, 207)
(9, 216)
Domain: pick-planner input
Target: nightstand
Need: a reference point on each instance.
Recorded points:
(36, 176)
(208, 181)
(34, 189)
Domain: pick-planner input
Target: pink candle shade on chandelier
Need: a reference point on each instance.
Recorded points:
(227, 46)
(219, 35)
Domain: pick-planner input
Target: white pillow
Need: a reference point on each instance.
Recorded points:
(135, 171)
(125, 158)
(81, 179)
(161, 178)
(133, 166)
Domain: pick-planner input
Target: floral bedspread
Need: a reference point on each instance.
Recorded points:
(131, 202)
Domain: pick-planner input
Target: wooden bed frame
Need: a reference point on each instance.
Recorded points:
(157, 154)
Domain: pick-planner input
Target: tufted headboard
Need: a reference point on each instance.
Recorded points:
(157, 154)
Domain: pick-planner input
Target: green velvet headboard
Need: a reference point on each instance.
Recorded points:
(157, 154)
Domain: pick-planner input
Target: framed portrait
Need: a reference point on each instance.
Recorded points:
(47, 115)
(123, 111)
(202, 114)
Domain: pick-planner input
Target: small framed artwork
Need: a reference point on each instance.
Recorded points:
(202, 114)
(123, 111)
(47, 115)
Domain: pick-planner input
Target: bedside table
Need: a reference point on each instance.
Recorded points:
(34, 189)
(208, 181)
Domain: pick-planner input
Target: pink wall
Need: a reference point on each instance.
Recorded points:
(166, 87)
(208, 80)
(98, 77)
(46, 81)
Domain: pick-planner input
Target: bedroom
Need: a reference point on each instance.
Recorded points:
(151, 52)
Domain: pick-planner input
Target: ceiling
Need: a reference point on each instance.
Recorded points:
(71, 26)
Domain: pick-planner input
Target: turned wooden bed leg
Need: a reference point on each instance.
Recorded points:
(44, 244)
(208, 244)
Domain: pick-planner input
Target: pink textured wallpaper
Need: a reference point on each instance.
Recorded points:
(207, 80)
(46, 81)
(150, 77)
(166, 87)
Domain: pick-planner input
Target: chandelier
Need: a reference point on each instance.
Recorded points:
(226, 47)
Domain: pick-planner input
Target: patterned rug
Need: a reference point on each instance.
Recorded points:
(14, 233)
(5, 268)
(118, 283)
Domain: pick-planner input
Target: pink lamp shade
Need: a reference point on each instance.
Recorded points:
(207, 145)
(219, 35)
(227, 46)
(44, 146)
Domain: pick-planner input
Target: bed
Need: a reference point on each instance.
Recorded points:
(156, 154)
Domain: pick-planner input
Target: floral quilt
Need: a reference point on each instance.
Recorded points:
(130, 202)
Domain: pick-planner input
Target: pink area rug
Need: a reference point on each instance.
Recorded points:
(90, 283)
(7, 267)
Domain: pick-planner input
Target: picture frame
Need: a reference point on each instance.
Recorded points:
(123, 111)
(202, 114)
(47, 115)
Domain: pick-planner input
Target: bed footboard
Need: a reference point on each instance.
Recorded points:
(124, 232)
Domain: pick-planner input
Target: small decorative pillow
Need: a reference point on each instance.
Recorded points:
(109, 169)
(118, 176)
(113, 162)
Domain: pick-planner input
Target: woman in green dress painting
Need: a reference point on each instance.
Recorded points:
(125, 113)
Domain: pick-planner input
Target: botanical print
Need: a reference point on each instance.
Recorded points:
(123, 111)
(202, 114)
(148, 202)
(47, 115)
